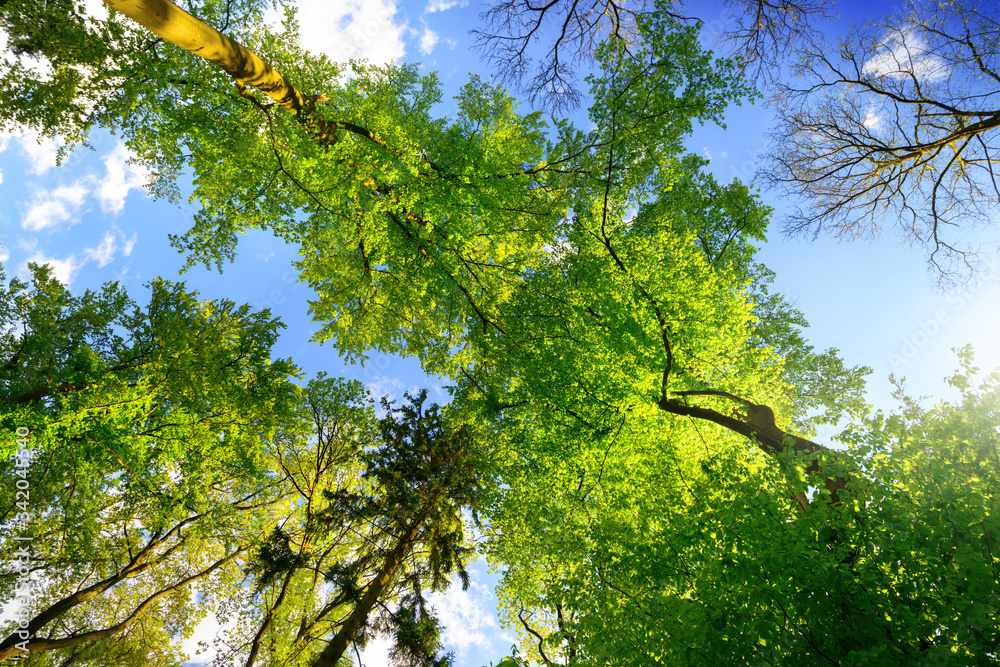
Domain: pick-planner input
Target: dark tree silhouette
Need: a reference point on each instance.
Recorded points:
(423, 474)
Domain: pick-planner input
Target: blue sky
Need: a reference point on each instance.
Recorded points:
(91, 219)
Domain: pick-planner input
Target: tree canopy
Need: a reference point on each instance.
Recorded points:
(698, 562)
(147, 426)
(595, 299)
(173, 455)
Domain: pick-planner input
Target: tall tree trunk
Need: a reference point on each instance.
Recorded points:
(338, 645)
(175, 25)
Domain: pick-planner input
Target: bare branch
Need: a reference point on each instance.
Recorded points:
(764, 32)
(538, 47)
(903, 126)
(512, 40)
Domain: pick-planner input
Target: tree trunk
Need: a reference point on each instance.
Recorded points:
(42, 644)
(139, 564)
(266, 623)
(772, 441)
(338, 645)
(176, 26)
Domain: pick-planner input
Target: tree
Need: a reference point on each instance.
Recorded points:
(711, 570)
(591, 386)
(166, 451)
(424, 476)
(286, 608)
(139, 474)
(760, 34)
(899, 122)
(373, 522)
(590, 292)
(154, 451)
(403, 238)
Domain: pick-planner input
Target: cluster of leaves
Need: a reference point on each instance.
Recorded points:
(588, 292)
(146, 426)
(700, 561)
(170, 452)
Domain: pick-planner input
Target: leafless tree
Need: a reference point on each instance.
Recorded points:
(901, 123)
(538, 46)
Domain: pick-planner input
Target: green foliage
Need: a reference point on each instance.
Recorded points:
(99, 69)
(370, 521)
(147, 427)
(171, 452)
(275, 557)
(570, 283)
(819, 386)
(282, 614)
(905, 572)
(417, 637)
(419, 232)
(426, 472)
(35, 28)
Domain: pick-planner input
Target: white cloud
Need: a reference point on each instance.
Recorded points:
(51, 208)
(64, 270)
(113, 241)
(127, 245)
(103, 253)
(871, 119)
(903, 53)
(392, 388)
(708, 153)
(384, 385)
(444, 5)
(4, 252)
(344, 29)
(120, 179)
(41, 152)
(467, 616)
(428, 41)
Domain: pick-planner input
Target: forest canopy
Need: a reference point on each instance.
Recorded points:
(633, 415)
